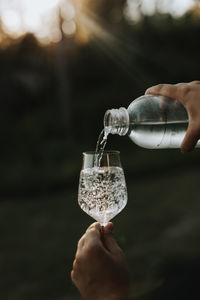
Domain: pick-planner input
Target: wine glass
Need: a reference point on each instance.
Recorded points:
(102, 189)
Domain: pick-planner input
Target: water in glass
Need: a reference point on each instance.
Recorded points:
(102, 188)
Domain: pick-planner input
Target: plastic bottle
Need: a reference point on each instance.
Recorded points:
(151, 121)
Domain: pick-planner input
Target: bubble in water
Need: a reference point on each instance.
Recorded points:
(102, 192)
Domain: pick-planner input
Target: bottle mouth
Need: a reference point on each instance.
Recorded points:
(116, 121)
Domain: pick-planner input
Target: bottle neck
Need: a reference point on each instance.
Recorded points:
(116, 121)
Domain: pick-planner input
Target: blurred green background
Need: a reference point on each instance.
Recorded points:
(55, 88)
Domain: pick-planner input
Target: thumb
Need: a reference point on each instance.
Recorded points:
(109, 240)
(191, 137)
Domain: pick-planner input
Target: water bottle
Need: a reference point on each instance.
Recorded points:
(150, 121)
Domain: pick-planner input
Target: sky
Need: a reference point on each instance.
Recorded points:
(41, 16)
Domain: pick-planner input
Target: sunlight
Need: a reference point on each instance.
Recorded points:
(134, 9)
(50, 20)
(68, 11)
(175, 7)
(11, 22)
(40, 17)
(69, 27)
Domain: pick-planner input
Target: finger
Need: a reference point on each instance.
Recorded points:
(95, 226)
(109, 227)
(74, 264)
(72, 275)
(168, 90)
(109, 240)
(77, 263)
(93, 234)
(191, 138)
(80, 246)
(81, 242)
(104, 230)
(93, 230)
(90, 242)
(195, 82)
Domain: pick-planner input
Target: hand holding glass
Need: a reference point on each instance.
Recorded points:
(102, 190)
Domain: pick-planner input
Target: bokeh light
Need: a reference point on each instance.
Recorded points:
(134, 9)
(68, 11)
(40, 17)
(69, 27)
(11, 22)
(49, 20)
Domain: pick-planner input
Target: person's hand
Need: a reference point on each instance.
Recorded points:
(189, 95)
(99, 269)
